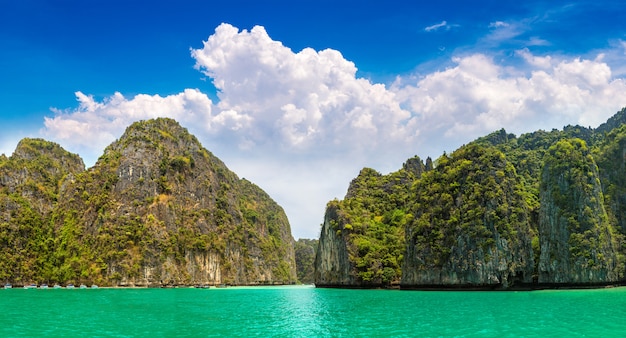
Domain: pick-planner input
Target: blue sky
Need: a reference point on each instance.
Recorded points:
(298, 96)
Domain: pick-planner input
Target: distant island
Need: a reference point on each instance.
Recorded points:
(543, 210)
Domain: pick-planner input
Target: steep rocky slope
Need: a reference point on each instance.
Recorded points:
(362, 238)
(305, 256)
(503, 212)
(471, 225)
(28, 192)
(159, 209)
(577, 244)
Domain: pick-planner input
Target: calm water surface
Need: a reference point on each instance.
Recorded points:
(310, 312)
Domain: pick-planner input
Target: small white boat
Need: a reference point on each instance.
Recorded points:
(94, 286)
(8, 286)
(83, 286)
(57, 286)
(69, 286)
(43, 286)
(30, 286)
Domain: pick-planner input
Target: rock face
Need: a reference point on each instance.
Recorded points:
(305, 259)
(159, 209)
(28, 192)
(577, 244)
(34, 170)
(472, 232)
(362, 237)
(546, 209)
(332, 263)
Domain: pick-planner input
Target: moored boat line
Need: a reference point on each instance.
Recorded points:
(45, 286)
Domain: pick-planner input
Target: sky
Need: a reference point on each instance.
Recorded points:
(299, 96)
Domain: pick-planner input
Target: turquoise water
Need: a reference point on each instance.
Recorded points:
(310, 312)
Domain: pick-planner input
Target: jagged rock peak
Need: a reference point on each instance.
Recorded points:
(157, 208)
(496, 138)
(37, 160)
(359, 184)
(163, 134)
(414, 166)
(31, 148)
(177, 214)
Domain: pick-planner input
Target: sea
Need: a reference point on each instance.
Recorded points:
(305, 311)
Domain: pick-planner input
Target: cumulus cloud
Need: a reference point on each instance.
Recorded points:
(477, 96)
(285, 117)
(541, 62)
(93, 125)
(297, 100)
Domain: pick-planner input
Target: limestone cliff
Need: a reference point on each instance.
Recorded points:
(305, 259)
(471, 227)
(28, 192)
(332, 263)
(576, 238)
(156, 209)
(545, 209)
(362, 238)
(611, 160)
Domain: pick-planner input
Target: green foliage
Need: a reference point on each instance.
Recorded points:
(471, 198)
(372, 220)
(571, 181)
(493, 195)
(28, 191)
(154, 199)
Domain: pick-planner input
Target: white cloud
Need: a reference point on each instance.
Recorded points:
(302, 124)
(92, 126)
(536, 41)
(541, 62)
(436, 26)
(478, 96)
(298, 101)
(508, 32)
(442, 25)
(498, 24)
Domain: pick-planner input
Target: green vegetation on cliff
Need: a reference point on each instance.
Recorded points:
(500, 212)
(29, 189)
(157, 208)
(471, 218)
(305, 257)
(577, 240)
(372, 219)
